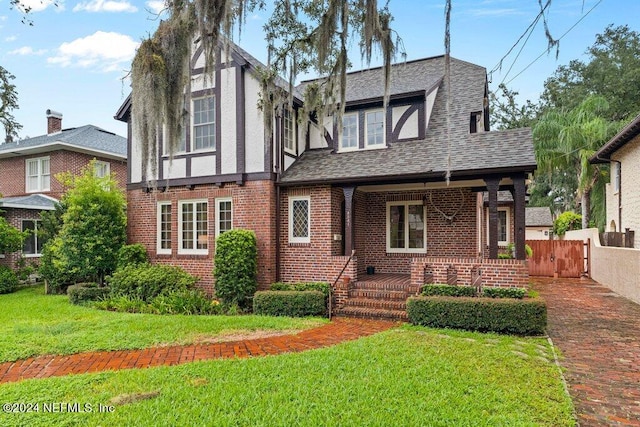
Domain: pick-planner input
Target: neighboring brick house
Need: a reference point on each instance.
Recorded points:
(622, 152)
(28, 168)
(315, 198)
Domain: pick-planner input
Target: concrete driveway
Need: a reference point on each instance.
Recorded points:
(598, 334)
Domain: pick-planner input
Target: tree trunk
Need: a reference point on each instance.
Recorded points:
(586, 208)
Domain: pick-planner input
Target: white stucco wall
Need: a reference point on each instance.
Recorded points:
(174, 169)
(203, 166)
(536, 233)
(228, 120)
(629, 156)
(254, 126)
(315, 137)
(410, 128)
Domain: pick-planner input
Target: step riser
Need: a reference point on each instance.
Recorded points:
(381, 304)
(375, 294)
(372, 313)
(381, 286)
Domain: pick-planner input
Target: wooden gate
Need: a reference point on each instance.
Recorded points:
(557, 258)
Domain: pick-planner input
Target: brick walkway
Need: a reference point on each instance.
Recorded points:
(339, 330)
(598, 334)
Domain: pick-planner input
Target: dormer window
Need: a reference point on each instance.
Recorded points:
(288, 130)
(349, 140)
(374, 128)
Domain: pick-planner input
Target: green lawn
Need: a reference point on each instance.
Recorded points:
(407, 376)
(32, 323)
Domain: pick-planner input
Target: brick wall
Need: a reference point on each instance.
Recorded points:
(494, 272)
(13, 175)
(253, 207)
(14, 217)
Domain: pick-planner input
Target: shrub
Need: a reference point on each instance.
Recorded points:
(517, 293)
(189, 301)
(510, 316)
(83, 293)
(8, 280)
(123, 303)
(567, 221)
(132, 255)
(449, 290)
(323, 287)
(148, 281)
(289, 303)
(54, 267)
(236, 266)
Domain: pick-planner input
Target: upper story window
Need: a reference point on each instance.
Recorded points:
(38, 174)
(182, 142)
(101, 169)
(204, 124)
(288, 131)
(475, 122)
(349, 139)
(615, 176)
(374, 128)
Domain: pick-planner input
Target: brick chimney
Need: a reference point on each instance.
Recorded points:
(54, 122)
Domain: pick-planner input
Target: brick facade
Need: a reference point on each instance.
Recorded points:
(14, 217)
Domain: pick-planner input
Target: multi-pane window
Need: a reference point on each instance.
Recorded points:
(288, 131)
(349, 139)
(38, 174)
(503, 226)
(224, 215)
(375, 128)
(164, 228)
(101, 169)
(32, 243)
(204, 123)
(406, 230)
(193, 233)
(299, 219)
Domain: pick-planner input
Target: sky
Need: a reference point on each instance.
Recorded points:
(75, 57)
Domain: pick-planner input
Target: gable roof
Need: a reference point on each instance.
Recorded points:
(87, 139)
(629, 132)
(538, 217)
(38, 202)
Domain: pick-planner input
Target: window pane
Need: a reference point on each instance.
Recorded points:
(201, 225)
(300, 217)
(187, 226)
(224, 215)
(416, 226)
(165, 227)
(349, 131)
(29, 246)
(502, 226)
(289, 138)
(204, 123)
(375, 128)
(396, 227)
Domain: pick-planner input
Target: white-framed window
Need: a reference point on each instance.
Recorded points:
(203, 133)
(406, 227)
(101, 169)
(193, 227)
(299, 219)
(289, 131)
(224, 215)
(504, 223)
(615, 176)
(374, 128)
(163, 238)
(38, 174)
(32, 246)
(349, 140)
(182, 143)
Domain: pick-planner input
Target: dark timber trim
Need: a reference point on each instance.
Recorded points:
(492, 186)
(519, 215)
(218, 104)
(240, 120)
(395, 134)
(206, 180)
(349, 219)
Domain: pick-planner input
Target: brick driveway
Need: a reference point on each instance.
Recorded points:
(598, 334)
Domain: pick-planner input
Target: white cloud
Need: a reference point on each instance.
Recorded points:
(101, 51)
(10, 39)
(37, 5)
(27, 51)
(105, 6)
(495, 12)
(155, 6)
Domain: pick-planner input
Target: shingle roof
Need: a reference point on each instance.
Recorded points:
(33, 201)
(629, 132)
(538, 217)
(87, 137)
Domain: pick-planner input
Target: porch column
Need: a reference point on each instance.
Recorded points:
(492, 187)
(349, 244)
(518, 194)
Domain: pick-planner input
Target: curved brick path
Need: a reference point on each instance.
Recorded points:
(598, 334)
(339, 330)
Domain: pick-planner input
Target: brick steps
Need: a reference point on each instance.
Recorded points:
(381, 286)
(378, 303)
(371, 313)
(377, 299)
(378, 294)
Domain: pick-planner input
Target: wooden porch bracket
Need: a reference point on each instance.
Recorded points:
(349, 230)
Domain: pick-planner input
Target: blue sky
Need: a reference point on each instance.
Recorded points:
(75, 56)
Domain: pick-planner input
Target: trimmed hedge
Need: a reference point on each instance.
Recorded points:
(83, 293)
(236, 264)
(289, 303)
(517, 293)
(146, 281)
(449, 290)
(508, 316)
(8, 280)
(323, 287)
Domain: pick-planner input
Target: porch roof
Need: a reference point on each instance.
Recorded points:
(38, 202)
(476, 155)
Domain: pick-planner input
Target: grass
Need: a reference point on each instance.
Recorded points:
(32, 323)
(406, 376)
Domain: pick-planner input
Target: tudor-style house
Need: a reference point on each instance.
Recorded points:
(28, 168)
(334, 206)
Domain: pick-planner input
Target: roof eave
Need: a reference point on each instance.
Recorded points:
(630, 131)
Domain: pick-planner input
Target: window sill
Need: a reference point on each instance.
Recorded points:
(32, 255)
(203, 150)
(198, 253)
(291, 152)
(299, 244)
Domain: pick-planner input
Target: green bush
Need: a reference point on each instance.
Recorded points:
(132, 255)
(567, 221)
(517, 293)
(123, 303)
(146, 281)
(289, 303)
(54, 268)
(323, 287)
(83, 293)
(235, 269)
(190, 301)
(449, 290)
(509, 316)
(8, 280)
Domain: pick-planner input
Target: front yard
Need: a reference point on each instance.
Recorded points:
(32, 324)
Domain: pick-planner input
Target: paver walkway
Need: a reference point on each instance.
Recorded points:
(339, 330)
(598, 334)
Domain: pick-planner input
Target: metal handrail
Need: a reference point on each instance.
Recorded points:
(353, 252)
